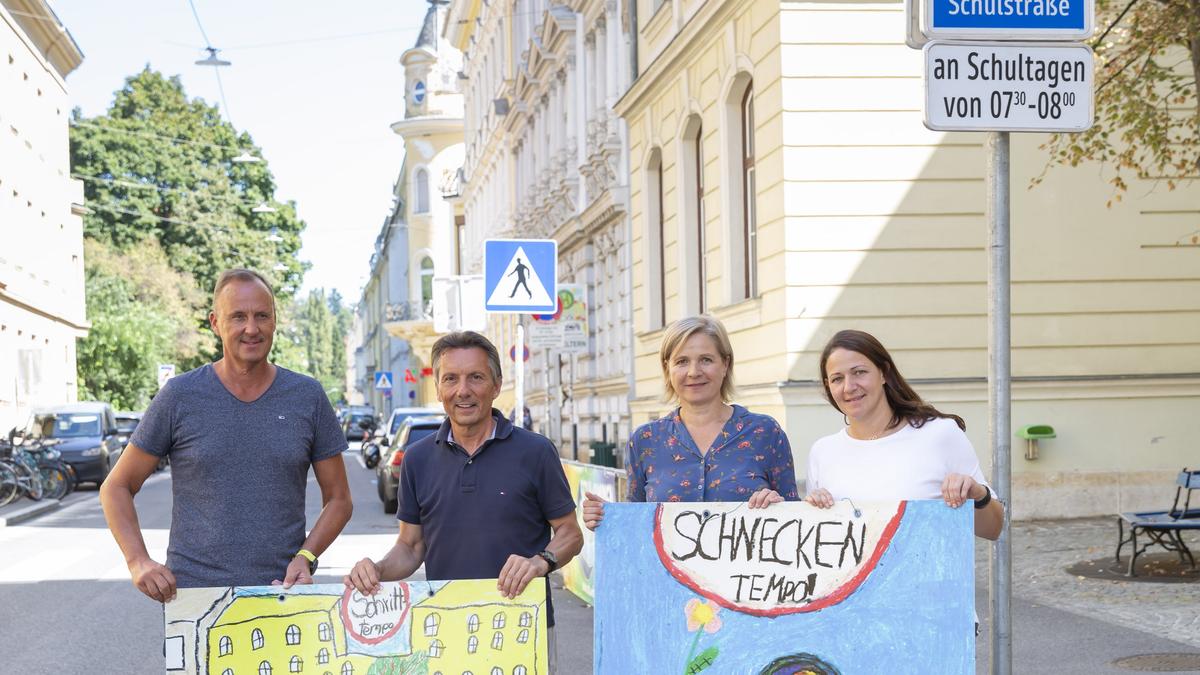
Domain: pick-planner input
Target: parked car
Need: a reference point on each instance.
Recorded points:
(91, 442)
(397, 417)
(126, 422)
(352, 423)
(387, 472)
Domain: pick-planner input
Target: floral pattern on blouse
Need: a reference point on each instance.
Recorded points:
(750, 453)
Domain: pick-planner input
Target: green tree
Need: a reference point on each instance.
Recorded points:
(158, 167)
(142, 314)
(1147, 108)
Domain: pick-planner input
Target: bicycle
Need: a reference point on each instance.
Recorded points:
(58, 477)
(8, 484)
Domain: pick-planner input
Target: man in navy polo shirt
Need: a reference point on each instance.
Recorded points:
(480, 498)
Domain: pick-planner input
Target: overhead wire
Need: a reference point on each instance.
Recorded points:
(150, 134)
(145, 186)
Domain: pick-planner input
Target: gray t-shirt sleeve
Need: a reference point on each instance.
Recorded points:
(328, 439)
(155, 433)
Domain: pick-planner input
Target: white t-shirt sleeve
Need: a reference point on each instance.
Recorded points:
(960, 455)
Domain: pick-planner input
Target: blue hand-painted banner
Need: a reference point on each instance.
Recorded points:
(1009, 19)
(718, 587)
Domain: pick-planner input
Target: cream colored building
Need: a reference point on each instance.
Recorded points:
(546, 158)
(862, 218)
(419, 240)
(42, 310)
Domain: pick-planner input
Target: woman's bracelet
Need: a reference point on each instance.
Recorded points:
(983, 501)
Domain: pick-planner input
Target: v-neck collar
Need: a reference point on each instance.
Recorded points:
(679, 430)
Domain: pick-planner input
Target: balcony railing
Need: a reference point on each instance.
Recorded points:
(409, 311)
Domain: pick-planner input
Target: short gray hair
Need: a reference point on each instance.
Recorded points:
(466, 339)
(240, 274)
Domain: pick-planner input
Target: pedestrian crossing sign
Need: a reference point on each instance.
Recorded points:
(383, 380)
(520, 275)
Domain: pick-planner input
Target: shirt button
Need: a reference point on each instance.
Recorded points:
(470, 460)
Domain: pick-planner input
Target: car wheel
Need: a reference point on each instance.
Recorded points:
(390, 505)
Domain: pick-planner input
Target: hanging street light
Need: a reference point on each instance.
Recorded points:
(274, 236)
(263, 207)
(280, 267)
(246, 158)
(211, 59)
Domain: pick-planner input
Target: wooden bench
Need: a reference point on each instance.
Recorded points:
(1163, 528)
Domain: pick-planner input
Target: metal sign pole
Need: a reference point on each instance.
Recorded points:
(519, 384)
(1000, 390)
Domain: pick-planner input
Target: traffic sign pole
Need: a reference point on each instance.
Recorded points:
(519, 381)
(1000, 390)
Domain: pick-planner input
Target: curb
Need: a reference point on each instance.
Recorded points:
(29, 512)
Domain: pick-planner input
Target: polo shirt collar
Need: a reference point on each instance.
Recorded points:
(502, 429)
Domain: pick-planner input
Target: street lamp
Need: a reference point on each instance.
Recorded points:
(274, 236)
(263, 207)
(211, 59)
(246, 158)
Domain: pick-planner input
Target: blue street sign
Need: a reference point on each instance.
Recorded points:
(520, 275)
(383, 380)
(1008, 19)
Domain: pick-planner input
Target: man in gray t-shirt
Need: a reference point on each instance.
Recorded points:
(241, 434)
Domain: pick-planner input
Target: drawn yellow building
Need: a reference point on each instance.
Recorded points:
(263, 636)
(463, 630)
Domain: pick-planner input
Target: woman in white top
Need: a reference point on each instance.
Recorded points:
(894, 446)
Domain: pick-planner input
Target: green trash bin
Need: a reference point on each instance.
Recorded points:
(1032, 433)
(603, 454)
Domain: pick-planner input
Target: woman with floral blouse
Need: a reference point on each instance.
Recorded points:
(707, 449)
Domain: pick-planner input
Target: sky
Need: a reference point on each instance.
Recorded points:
(316, 84)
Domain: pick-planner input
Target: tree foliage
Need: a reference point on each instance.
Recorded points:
(158, 167)
(169, 210)
(1147, 109)
(139, 311)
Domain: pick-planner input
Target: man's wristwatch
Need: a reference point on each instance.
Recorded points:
(550, 558)
(310, 557)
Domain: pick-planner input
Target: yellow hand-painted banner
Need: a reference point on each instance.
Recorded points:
(414, 627)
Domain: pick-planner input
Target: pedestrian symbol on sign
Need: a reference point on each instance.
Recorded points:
(383, 380)
(528, 288)
(520, 275)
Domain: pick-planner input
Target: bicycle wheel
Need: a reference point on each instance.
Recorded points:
(29, 482)
(8, 485)
(54, 481)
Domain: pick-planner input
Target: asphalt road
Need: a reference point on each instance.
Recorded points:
(67, 606)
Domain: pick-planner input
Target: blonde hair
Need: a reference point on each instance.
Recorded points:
(678, 333)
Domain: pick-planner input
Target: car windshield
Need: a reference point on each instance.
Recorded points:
(356, 418)
(64, 425)
(126, 424)
(417, 433)
(397, 422)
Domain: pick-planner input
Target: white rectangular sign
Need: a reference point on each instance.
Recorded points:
(1009, 87)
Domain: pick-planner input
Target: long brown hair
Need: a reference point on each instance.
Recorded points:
(906, 405)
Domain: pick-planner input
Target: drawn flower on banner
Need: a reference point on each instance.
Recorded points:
(702, 614)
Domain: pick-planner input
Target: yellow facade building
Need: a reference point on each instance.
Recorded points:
(859, 217)
(291, 641)
(460, 626)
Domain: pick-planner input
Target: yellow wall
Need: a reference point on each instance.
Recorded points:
(868, 220)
